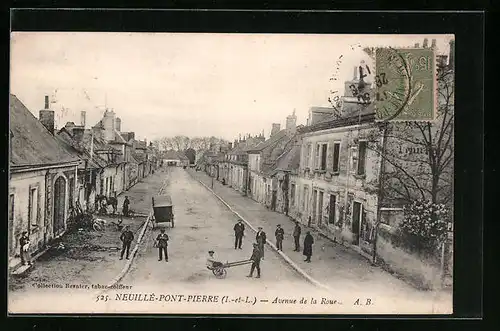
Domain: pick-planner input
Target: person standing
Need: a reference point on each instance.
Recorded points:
(239, 232)
(279, 234)
(126, 203)
(24, 243)
(162, 244)
(256, 256)
(296, 236)
(127, 237)
(261, 240)
(308, 243)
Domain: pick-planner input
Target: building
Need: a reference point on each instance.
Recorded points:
(336, 189)
(261, 159)
(43, 179)
(174, 158)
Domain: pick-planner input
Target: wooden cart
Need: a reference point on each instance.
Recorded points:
(162, 210)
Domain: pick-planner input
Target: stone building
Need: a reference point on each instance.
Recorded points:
(43, 180)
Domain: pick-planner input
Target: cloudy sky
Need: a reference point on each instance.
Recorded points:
(165, 84)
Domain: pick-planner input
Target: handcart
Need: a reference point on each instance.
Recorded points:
(162, 210)
(220, 272)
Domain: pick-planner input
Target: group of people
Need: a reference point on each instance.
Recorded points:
(239, 232)
(102, 202)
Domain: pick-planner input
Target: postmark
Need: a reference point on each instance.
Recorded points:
(405, 84)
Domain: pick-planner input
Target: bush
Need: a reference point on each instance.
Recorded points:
(424, 226)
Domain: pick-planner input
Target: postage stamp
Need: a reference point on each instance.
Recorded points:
(405, 84)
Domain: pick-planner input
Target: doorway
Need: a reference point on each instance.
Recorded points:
(314, 205)
(320, 208)
(357, 210)
(331, 215)
(59, 205)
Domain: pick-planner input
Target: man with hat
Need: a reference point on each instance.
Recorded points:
(162, 244)
(127, 237)
(239, 232)
(256, 256)
(279, 234)
(296, 236)
(261, 240)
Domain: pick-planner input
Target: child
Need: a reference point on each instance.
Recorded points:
(211, 262)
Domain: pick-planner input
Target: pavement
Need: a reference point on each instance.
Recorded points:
(85, 257)
(333, 265)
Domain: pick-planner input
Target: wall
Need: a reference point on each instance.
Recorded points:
(19, 186)
(416, 270)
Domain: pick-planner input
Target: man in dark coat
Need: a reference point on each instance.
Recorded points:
(261, 240)
(279, 234)
(24, 243)
(126, 202)
(127, 237)
(296, 236)
(308, 243)
(256, 256)
(162, 244)
(239, 232)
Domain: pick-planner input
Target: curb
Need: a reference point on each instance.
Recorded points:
(284, 256)
(127, 266)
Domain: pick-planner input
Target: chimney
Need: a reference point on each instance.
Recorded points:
(108, 122)
(69, 127)
(46, 117)
(355, 73)
(118, 124)
(83, 115)
(291, 123)
(452, 54)
(230, 146)
(417, 45)
(78, 133)
(426, 43)
(275, 129)
(433, 44)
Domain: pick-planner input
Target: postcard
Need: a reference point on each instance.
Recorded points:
(231, 173)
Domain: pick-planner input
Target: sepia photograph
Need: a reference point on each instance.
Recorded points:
(231, 173)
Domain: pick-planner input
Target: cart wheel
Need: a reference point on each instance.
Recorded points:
(220, 273)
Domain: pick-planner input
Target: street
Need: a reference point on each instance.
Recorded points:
(202, 223)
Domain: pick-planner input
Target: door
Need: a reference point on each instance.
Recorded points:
(314, 206)
(331, 215)
(357, 209)
(320, 208)
(59, 205)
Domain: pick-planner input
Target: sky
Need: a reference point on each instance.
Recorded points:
(193, 84)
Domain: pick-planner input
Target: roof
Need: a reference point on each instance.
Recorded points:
(182, 156)
(139, 157)
(72, 145)
(272, 140)
(32, 143)
(162, 201)
(173, 155)
(365, 115)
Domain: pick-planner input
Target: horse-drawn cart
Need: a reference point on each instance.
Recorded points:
(162, 210)
(220, 270)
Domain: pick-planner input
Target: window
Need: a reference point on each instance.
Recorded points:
(101, 188)
(306, 198)
(292, 194)
(33, 206)
(361, 158)
(11, 207)
(336, 156)
(308, 157)
(332, 207)
(324, 152)
(317, 156)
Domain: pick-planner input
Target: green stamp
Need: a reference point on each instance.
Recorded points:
(405, 84)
